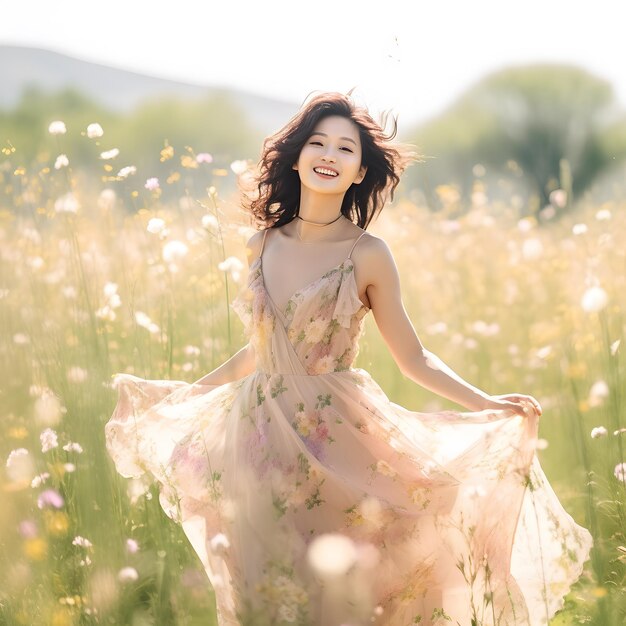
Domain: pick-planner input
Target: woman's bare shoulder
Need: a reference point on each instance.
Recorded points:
(253, 246)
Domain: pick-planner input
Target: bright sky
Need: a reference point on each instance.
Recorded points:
(412, 56)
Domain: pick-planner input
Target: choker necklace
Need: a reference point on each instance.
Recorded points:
(314, 224)
(318, 223)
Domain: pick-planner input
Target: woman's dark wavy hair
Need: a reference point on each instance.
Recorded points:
(273, 194)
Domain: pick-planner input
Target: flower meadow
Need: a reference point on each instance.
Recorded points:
(105, 276)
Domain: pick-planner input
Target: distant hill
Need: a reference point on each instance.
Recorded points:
(117, 89)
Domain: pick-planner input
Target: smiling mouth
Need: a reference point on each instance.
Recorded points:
(325, 172)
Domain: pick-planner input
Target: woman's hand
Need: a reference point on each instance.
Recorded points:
(518, 402)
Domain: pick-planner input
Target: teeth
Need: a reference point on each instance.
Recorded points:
(322, 170)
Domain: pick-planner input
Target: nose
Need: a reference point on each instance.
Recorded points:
(329, 157)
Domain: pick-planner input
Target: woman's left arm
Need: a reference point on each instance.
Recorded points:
(378, 270)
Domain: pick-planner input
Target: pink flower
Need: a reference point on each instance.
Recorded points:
(152, 184)
(204, 157)
(51, 498)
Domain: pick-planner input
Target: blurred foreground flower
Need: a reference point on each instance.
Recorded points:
(109, 154)
(57, 128)
(48, 439)
(620, 472)
(233, 265)
(594, 299)
(174, 250)
(204, 157)
(61, 161)
(239, 166)
(331, 554)
(67, 203)
(127, 574)
(20, 465)
(155, 225)
(48, 408)
(152, 184)
(94, 130)
(598, 393)
(50, 498)
(598, 432)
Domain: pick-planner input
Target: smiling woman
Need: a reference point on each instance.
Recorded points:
(310, 497)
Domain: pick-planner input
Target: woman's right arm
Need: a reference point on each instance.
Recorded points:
(242, 362)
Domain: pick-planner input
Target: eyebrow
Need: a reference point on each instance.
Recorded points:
(325, 135)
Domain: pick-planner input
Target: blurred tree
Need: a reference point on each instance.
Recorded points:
(541, 124)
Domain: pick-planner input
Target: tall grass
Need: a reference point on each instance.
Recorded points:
(93, 283)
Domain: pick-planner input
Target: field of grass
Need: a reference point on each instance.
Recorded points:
(99, 277)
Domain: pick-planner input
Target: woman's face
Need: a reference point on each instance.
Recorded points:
(333, 147)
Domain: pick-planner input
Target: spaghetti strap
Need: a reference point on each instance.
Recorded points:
(354, 244)
(263, 242)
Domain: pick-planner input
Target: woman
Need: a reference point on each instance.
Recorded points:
(309, 496)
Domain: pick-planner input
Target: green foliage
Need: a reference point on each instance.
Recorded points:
(520, 123)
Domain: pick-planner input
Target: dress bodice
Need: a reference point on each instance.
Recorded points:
(322, 321)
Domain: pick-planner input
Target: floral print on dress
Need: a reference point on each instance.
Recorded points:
(450, 511)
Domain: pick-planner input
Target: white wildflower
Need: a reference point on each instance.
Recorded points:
(57, 128)
(331, 554)
(110, 154)
(61, 161)
(94, 131)
(155, 225)
(48, 439)
(599, 431)
(594, 299)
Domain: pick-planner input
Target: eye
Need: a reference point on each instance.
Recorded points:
(319, 143)
(346, 148)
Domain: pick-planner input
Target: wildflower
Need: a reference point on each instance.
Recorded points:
(73, 447)
(155, 225)
(204, 157)
(110, 154)
(94, 130)
(598, 393)
(144, 321)
(239, 166)
(331, 554)
(127, 574)
(620, 472)
(77, 374)
(48, 439)
(579, 229)
(558, 198)
(125, 172)
(532, 248)
(603, 214)
(39, 480)
(67, 203)
(106, 199)
(81, 541)
(619, 431)
(27, 529)
(61, 161)
(48, 408)
(131, 546)
(152, 184)
(233, 265)
(209, 221)
(57, 128)
(598, 432)
(51, 498)
(615, 347)
(20, 465)
(174, 251)
(594, 299)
